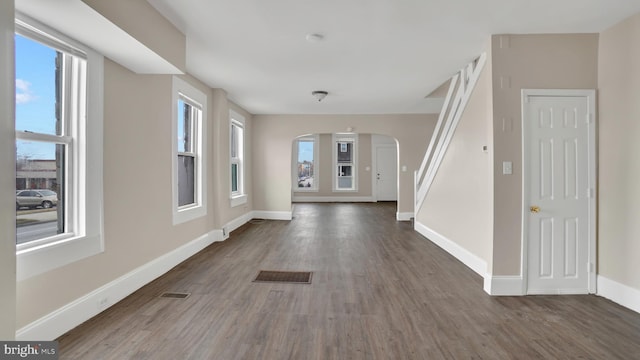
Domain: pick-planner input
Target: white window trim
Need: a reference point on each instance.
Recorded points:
(316, 168)
(38, 257)
(335, 138)
(238, 197)
(181, 214)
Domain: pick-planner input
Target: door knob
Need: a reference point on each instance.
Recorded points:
(534, 209)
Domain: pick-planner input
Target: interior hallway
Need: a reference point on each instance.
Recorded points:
(379, 291)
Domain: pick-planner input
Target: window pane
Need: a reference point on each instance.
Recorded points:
(344, 170)
(234, 141)
(305, 163)
(186, 180)
(37, 87)
(345, 182)
(234, 177)
(345, 150)
(185, 127)
(40, 168)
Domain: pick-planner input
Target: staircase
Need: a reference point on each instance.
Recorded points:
(460, 89)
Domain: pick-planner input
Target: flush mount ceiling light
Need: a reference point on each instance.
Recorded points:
(314, 38)
(320, 94)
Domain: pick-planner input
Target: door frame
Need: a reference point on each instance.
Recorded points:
(381, 140)
(590, 95)
(374, 162)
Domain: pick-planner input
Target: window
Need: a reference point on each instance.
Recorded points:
(189, 190)
(58, 149)
(306, 164)
(236, 141)
(345, 160)
(188, 118)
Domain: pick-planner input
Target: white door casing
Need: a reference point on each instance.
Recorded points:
(559, 191)
(386, 173)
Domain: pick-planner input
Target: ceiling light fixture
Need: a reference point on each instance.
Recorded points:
(314, 38)
(320, 94)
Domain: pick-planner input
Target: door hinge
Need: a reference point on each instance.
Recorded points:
(590, 118)
(590, 193)
(590, 267)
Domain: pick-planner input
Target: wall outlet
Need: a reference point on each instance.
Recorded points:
(507, 168)
(103, 303)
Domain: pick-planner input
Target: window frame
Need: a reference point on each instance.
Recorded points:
(183, 91)
(315, 138)
(83, 235)
(239, 196)
(335, 140)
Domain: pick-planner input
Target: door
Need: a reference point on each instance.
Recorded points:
(559, 163)
(386, 173)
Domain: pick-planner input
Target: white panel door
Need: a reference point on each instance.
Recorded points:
(386, 173)
(559, 190)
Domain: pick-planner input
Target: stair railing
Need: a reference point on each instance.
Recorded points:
(462, 85)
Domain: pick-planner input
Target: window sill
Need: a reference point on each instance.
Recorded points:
(238, 200)
(188, 214)
(305, 190)
(40, 259)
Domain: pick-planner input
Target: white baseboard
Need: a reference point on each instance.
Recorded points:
(271, 215)
(619, 293)
(493, 285)
(235, 223)
(504, 285)
(472, 261)
(404, 216)
(82, 309)
(333, 199)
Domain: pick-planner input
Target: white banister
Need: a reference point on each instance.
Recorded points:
(462, 83)
(447, 100)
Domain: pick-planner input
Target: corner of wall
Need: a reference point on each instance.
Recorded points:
(7, 178)
(143, 22)
(472, 261)
(619, 293)
(504, 285)
(618, 85)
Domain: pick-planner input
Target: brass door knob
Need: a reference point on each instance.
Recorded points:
(534, 209)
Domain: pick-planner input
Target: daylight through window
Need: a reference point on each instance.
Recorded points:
(344, 152)
(188, 116)
(237, 140)
(189, 173)
(306, 163)
(59, 147)
(50, 103)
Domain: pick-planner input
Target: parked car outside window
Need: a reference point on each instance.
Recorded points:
(34, 198)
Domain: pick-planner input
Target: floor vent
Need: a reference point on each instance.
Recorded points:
(291, 277)
(175, 295)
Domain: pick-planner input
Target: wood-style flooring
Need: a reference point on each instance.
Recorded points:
(379, 291)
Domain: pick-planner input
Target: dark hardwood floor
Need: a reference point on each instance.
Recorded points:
(379, 291)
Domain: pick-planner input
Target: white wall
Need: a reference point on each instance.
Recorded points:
(544, 61)
(7, 176)
(619, 167)
(219, 149)
(273, 136)
(139, 235)
(459, 205)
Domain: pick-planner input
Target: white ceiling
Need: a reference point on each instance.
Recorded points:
(378, 56)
